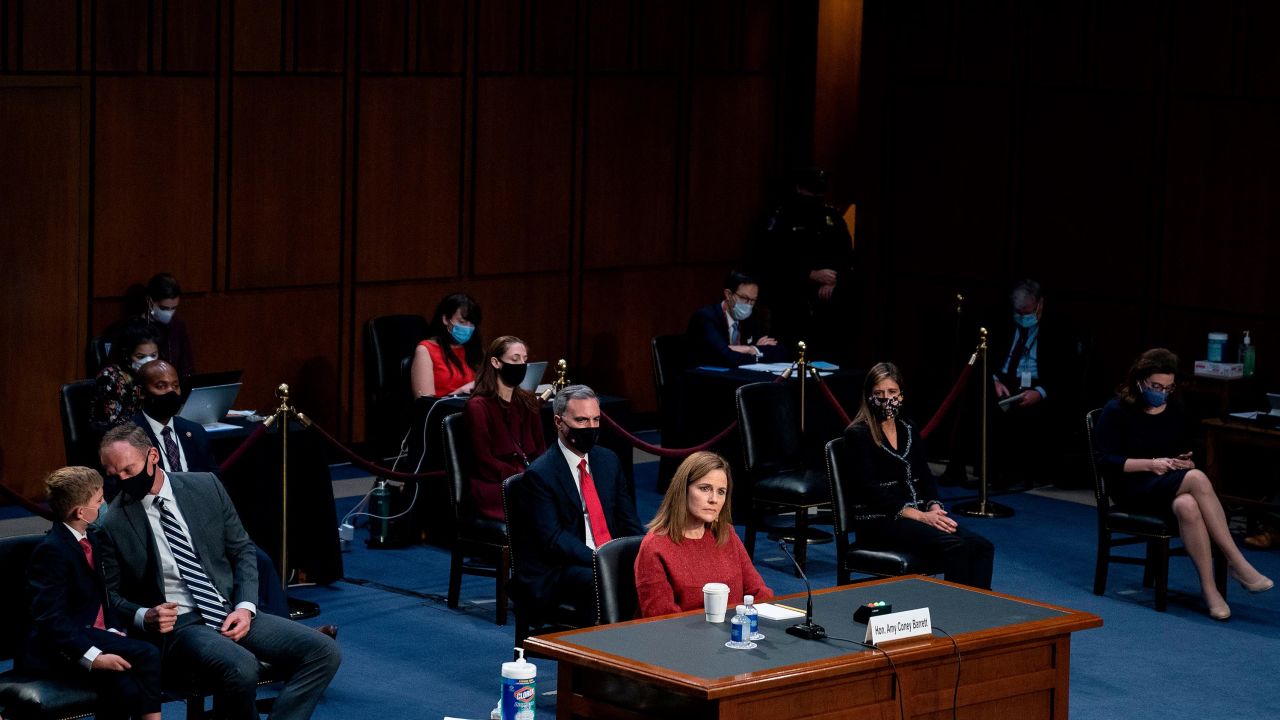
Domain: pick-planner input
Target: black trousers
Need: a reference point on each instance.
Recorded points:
(965, 556)
(128, 693)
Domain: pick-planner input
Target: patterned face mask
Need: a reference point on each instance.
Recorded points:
(886, 408)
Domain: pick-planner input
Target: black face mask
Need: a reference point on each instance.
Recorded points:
(512, 374)
(138, 485)
(582, 439)
(162, 407)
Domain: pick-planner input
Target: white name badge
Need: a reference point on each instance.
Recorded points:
(898, 626)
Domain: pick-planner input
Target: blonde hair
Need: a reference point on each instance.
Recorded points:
(70, 487)
(673, 513)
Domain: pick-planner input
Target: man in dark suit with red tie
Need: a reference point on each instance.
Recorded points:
(575, 500)
(75, 632)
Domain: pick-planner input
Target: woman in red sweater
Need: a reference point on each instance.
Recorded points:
(504, 427)
(691, 542)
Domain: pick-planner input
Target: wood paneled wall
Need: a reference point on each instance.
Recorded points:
(586, 168)
(1123, 153)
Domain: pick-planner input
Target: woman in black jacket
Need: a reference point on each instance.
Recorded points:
(896, 503)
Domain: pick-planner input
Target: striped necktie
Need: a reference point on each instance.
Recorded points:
(208, 601)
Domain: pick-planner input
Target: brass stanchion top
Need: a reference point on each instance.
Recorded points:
(801, 347)
(282, 392)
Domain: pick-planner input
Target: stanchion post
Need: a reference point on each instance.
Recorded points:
(282, 392)
(803, 365)
(983, 508)
(562, 379)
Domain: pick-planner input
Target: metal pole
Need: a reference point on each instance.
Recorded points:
(282, 392)
(801, 365)
(983, 508)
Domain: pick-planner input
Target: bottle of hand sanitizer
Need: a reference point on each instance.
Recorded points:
(1247, 357)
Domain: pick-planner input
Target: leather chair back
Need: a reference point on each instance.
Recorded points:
(96, 354)
(1102, 501)
(614, 564)
(768, 421)
(15, 601)
(79, 438)
(512, 501)
(838, 472)
(388, 341)
(454, 462)
(670, 356)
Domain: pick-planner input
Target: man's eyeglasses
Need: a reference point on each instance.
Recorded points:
(744, 299)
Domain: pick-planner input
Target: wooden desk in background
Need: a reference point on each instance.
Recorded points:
(1222, 434)
(1016, 662)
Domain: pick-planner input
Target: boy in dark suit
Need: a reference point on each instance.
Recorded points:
(73, 625)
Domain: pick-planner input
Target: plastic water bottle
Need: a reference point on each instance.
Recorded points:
(753, 617)
(519, 689)
(1248, 356)
(740, 631)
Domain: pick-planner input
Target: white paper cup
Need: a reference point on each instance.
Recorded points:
(715, 600)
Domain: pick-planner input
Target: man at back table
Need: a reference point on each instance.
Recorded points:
(179, 564)
(576, 499)
(728, 334)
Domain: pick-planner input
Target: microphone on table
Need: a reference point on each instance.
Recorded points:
(809, 630)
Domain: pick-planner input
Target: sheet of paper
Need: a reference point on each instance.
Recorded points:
(769, 611)
(1245, 415)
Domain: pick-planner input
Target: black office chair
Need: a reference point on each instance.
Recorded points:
(23, 695)
(79, 438)
(614, 567)
(475, 535)
(528, 621)
(1133, 528)
(851, 559)
(97, 354)
(389, 342)
(776, 472)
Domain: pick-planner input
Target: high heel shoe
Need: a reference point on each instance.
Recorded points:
(1262, 584)
(1220, 613)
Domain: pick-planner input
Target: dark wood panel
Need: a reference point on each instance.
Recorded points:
(409, 168)
(523, 171)
(662, 33)
(555, 33)
(984, 41)
(257, 35)
(732, 156)
(1085, 185)
(121, 35)
(1258, 52)
(1125, 45)
(920, 40)
(499, 38)
(1202, 48)
(285, 181)
(609, 34)
(1055, 33)
(950, 173)
(49, 34)
(190, 30)
(533, 308)
(716, 25)
(321, 28)
(153, 200)
(382, 35)
(42, 304)
(441, 36)
(1221, 218)
(616, 329)
(761, 20)
(630, 199)
(276, 336)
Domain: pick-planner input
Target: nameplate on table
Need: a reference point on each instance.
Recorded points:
(899, 626)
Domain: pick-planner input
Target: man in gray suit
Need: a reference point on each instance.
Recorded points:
(180, 565)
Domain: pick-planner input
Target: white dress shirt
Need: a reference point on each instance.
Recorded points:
(158, 429)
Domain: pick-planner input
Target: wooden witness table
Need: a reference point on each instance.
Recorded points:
(1015, 661)
(1222, 434)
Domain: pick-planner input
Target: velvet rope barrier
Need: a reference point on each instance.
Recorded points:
(368, 466)
(951, 399)
(234, 457)
(831, 398)
(659, 450)
(32, 507)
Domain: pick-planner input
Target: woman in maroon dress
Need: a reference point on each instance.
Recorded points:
(503, 424)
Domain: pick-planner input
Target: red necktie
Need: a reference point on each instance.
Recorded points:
(98, 622)
(595, 513)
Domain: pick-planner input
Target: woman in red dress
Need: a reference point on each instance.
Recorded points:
(445, 363)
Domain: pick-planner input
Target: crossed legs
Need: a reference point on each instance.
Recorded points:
(1203, 524)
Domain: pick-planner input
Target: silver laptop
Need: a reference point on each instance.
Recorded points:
(209, 405)
(533, 373)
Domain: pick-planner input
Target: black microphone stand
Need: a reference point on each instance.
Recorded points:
(809, 630)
